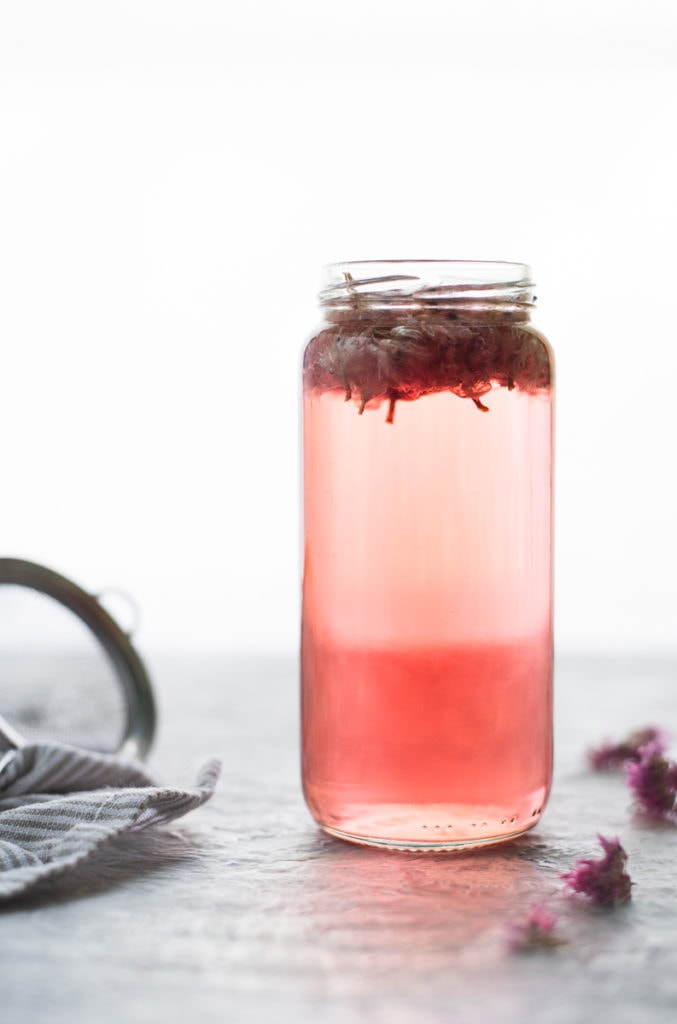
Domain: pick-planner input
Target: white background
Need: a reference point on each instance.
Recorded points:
(172, 177)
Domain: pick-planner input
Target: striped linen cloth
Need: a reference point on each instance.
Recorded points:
(59, 804)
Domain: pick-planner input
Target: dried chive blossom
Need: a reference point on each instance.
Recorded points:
(603, 880)
(611, 756)
(536, 931)
(653, 781)
(402, 356)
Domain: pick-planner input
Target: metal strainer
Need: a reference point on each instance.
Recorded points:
(68, 671)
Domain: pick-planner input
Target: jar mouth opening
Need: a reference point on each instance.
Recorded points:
(441, 283)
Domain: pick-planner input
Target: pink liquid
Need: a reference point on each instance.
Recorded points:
(427, 617)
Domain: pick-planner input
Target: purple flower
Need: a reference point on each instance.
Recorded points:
(605, 880)
(610, 756)
(536, 931)
(653, 780)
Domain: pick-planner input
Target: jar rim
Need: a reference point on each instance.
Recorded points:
(462, 271)
(427, 282)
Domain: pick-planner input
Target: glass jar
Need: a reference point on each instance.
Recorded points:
(427, 594)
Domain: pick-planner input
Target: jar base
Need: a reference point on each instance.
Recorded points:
(430, 827)
(426, 846)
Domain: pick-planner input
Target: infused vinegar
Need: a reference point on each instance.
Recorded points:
(427, 637)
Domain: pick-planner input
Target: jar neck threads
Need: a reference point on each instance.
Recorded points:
(472, 288)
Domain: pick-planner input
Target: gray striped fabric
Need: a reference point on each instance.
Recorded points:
(58, 804)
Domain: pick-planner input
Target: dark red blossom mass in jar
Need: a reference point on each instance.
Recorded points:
(427, 642)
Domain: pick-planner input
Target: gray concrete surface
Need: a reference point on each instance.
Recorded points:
(246, 912)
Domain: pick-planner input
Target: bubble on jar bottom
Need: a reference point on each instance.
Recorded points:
(402, 359)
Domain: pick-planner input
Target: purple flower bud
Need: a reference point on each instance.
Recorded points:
(605, 880)
(610, 756)
(653, 780)
(536, 931)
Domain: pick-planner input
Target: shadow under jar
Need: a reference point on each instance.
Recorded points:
(427, 607)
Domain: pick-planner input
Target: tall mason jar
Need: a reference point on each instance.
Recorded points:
(427, 609)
